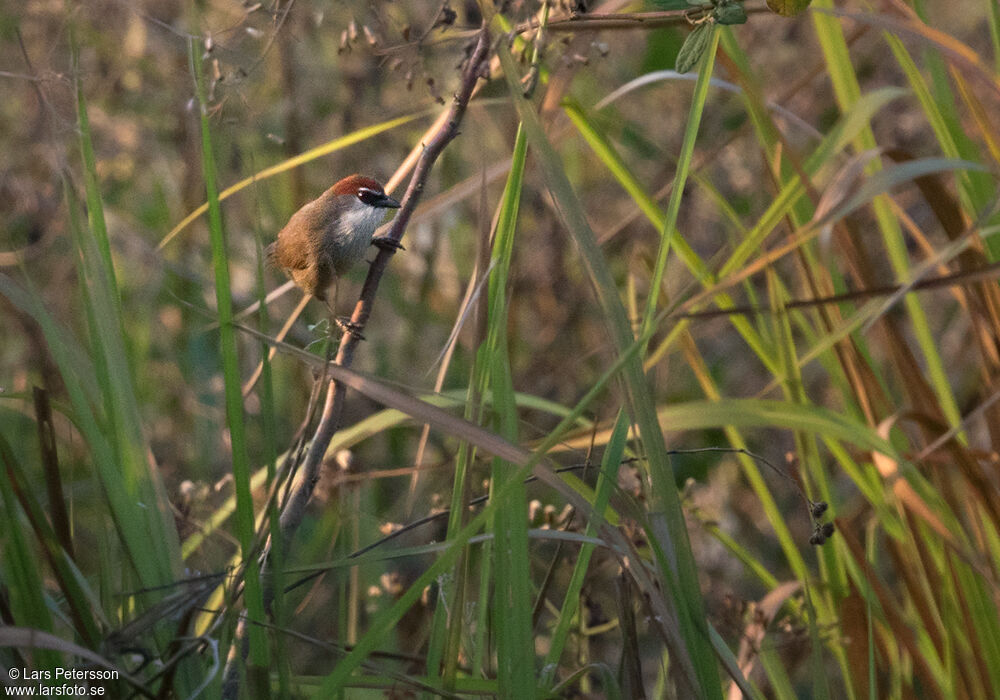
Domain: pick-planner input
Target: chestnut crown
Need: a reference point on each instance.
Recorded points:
(367, 190)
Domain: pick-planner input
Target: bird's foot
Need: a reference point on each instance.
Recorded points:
(345, 324)
(386, 243)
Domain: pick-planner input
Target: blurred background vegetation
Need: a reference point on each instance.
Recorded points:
(865, 142)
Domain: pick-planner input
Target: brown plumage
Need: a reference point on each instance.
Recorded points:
(328, 235)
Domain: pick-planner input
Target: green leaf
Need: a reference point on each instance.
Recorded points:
(694, 46)
(730, 13)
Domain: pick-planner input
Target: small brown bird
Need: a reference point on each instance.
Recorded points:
(328, 235)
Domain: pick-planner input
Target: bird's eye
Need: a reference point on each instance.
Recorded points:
(368, 196)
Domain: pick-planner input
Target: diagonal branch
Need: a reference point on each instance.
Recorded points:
(333, 408)
(329, 423)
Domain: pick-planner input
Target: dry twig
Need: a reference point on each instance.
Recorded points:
(333, 409)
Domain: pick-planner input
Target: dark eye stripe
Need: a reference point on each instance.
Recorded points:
(368, 195)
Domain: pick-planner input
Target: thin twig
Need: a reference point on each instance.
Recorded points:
(333, 409)
(294, 508)
(961, 278)
(622, 20)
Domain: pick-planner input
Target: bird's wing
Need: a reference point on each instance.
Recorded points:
(291, 250)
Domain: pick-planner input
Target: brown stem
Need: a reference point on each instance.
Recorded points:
(620, 20)
(333, 408)
(329, 423)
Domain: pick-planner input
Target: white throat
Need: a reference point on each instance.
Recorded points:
(360, 220)
(356, 224)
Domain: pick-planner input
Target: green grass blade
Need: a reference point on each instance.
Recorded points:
(994, 14)
(696, 661)
(848, 92)
(86, 617)
(616, 165)
(669, 231)
(22, 578)
(512, 592)
(850, 124)
(132, 484)
(606, 482)
(386, 621)
(245, 526)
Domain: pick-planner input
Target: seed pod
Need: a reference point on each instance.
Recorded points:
(446, 18)
(694, 46)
